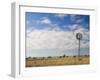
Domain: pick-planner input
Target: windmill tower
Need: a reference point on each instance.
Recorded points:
(78, 37)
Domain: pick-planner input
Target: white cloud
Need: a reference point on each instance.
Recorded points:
(45, 20)
(55, 39)
(49, 25)
(28, 31)
(74, 18)
(80, 29)
(61, 15)
(27, 22)
(79, 20)
(53, 27)
(73, 27)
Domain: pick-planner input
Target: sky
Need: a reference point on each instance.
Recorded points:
(53, 34)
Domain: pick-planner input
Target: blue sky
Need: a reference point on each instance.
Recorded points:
(40, 21)
(41, 29)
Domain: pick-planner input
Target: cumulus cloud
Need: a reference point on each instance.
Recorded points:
(76, 19)
(45, 20)
(79, 21)
(60, 15)
(48, 25)
(73, 27)
(53, 27)
(55, 39)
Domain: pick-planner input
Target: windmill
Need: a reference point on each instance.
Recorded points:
(79, 37)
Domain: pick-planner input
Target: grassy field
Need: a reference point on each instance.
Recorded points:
(55, 61)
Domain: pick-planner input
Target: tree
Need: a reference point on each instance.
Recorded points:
(74, 56)
(64, 55)
(34, 57)
(49, 57)
(60, 56)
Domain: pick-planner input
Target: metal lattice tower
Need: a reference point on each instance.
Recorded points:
(79, 37)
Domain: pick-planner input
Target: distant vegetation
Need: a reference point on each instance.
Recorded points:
(56, 60)
(63, 56)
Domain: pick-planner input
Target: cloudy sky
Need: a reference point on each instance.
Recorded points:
(51, 34)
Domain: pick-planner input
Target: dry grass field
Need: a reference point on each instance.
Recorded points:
(55, 61)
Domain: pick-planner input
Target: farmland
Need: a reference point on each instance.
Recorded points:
(57, 60)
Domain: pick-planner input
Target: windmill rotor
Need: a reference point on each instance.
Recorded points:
(78, 36)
